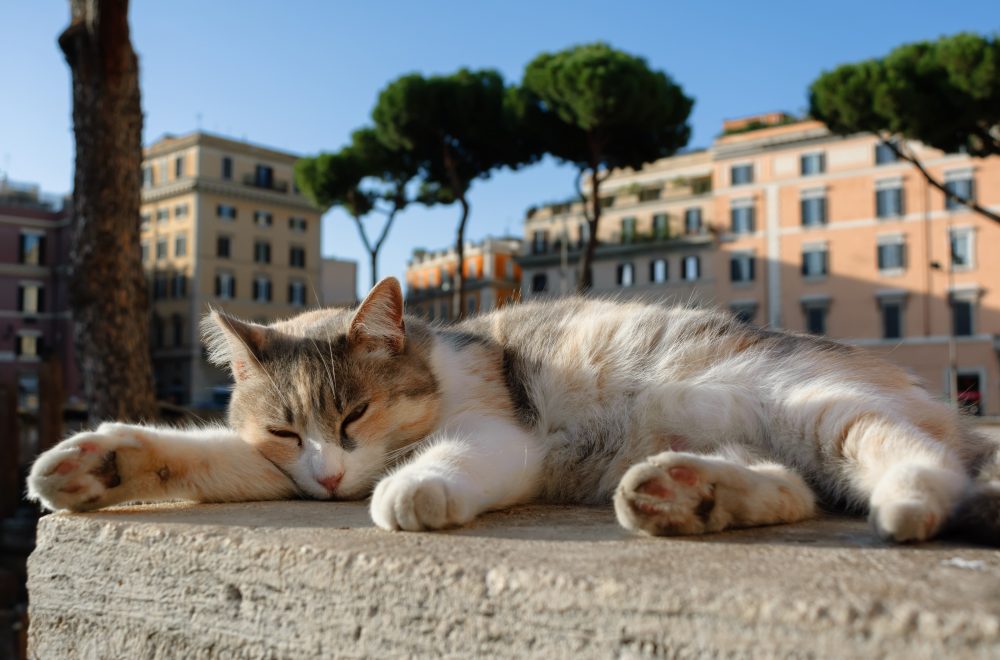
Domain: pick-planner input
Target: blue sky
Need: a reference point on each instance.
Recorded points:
(301, 75)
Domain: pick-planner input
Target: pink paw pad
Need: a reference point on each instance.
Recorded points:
(65, 467)
(683, 474)
(88, 447)
(655, 488)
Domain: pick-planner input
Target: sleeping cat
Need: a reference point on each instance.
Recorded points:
(688, 420)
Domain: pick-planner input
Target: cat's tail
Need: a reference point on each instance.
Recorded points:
(977, 517)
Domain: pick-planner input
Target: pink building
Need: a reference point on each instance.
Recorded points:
(34, 305)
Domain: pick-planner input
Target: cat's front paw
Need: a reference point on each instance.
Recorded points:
(85, 472)
(415, 500)
(669, 494)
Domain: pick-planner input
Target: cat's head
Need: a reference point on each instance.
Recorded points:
(332, 396)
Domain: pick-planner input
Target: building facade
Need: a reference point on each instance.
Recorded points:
(338, 282)
(492, 279)
(223, 225)
(813, 232)
(35, 319)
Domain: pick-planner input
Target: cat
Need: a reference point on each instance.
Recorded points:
(688, 420)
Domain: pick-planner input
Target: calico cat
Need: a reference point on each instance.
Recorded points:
(687, 419)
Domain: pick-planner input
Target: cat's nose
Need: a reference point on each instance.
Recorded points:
(331, 482)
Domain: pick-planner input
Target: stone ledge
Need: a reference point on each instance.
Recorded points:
(313, 579)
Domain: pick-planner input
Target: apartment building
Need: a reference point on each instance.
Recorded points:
(223, 225)
(35, 320)
(492, 278)
(338, 282)
(656, 235)
(805, 230)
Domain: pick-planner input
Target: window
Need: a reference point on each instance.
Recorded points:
(222, 247)
(227, 167)
(742, 218)
(661, 226)
(815, 261)
(161, 248)
(144, 250)
(162, 215)
(262, 252)
(144, 222)
(178, 285)
(297, 224)
(179, 167)
(539, 241)
(225, 211)
(961, 317)
(297, 257)
(262, 218)
(649, 195)
(296, 293)
(625, 275)
(891, 255)
(27, 392)
(159, 286)
(892, 318)
(156, 331)
(538, 282)
(147, 176)
(813, 208)
(884, 154)
(582, 233)
(691, 268)
(692, 221)
(163, 169)
(812, 164)
(177, 325)
(959, 184)
(740, 175)
(961, 248)
(744, 312)
(628, 229)
(741, 268)
(471, 305)
(30, 298)
(889, 199)
(658, 271)
(607, 202)
(263, 176)
(29, 345)
(180, 245)
(180, 211)
(225, 286)
(262, 289)
(815, 314)
(32, 248)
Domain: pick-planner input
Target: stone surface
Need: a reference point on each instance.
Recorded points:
(313, 579)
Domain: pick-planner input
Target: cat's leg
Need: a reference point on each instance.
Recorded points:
(676, 493)
(124, 463)
(478, 464)
(911, 480)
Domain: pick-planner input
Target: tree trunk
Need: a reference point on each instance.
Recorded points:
(586, 281)
(459, 296)
(107, 286)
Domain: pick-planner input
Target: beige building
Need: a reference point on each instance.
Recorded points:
(492, 278)
(816, 233)
(224, 226)
(338, 282)
(656, 239)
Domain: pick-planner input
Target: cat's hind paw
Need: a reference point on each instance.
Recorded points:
(83, 472)
(669, 494)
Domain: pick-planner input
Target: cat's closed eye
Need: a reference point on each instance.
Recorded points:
(353, 416)
(285, 433)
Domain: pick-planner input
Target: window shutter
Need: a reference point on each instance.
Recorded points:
(218, 286)
(881, 256)
(734, 269)
(750, 263)
(41, 250)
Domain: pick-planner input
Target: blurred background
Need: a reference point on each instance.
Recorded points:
(832, 171)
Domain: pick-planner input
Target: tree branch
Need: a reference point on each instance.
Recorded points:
(912, 159)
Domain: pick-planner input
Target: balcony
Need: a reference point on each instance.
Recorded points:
(262, 183)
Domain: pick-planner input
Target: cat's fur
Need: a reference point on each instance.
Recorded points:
(688, 420)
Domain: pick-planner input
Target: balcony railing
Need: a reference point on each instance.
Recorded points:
(275, 185)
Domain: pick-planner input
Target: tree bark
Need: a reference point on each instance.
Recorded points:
(459, 269)
(586, 281)
(108, 291)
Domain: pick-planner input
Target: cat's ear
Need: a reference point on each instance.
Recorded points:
(235, 344)
(379, 318)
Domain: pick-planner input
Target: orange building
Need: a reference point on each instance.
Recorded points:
(819, 233)
(492, 278)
